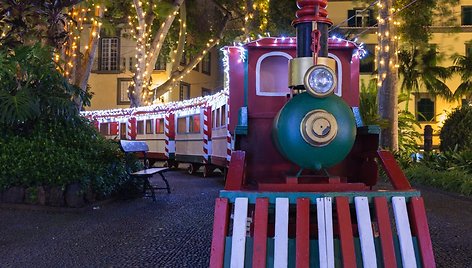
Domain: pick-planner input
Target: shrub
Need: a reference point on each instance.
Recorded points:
(450, 180)
(456, 134)
(43, 140)
(60, 153)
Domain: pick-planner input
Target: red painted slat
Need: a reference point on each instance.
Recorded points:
(220, 228)
(302, 257)
(385, 230)
(420, 227)
(394, 172)
(236, 171)
(345, 232)
(260, 233)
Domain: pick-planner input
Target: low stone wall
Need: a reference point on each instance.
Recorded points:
(70, 196)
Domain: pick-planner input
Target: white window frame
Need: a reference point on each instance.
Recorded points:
(109, 62)
(259, 92)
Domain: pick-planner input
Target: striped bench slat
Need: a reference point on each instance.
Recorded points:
(302, 256)
(345, 232)
(420, 228)
(325, 232)
(281, 233)
(279, 237)
(385, 232)
(404, 233)
(366, 236)
(238, 245)
(261, 216)
(220, 225)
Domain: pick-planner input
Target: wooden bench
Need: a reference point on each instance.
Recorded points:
(147, 173)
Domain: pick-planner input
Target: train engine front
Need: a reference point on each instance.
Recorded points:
(298, 190)
(316, 129)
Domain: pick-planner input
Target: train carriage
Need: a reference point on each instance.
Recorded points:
(192, 131)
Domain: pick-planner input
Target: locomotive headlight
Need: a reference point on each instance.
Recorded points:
(320, 81)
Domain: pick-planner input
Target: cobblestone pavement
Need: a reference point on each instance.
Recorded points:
(175, 231)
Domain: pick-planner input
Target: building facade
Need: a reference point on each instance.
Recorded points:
(115, 62)
(449, 40)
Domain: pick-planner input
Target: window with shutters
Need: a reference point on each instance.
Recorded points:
(123, 85)
(206, 64)
(468, 49)
(184, 92)
(425, 108)
(466, 14)
(367, 63)
(160, 63)
(109, 54)
(361, 18)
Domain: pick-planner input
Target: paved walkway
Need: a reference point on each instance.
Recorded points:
(176, 230)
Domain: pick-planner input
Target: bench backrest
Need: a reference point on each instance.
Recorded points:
(134, 146)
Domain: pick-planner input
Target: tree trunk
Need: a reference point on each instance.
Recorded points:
(179, 75)
(139, 91)
(388, 76)
(83, 71)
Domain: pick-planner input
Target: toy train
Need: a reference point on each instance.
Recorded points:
(301, 166)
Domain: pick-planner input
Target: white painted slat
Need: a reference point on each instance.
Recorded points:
(281, 233)
(320, 212)
(328, 211)
(366, 236)
(404, 231)
(238, 244)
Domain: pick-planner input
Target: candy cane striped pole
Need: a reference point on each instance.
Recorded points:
(131, 128)
(228, 134)
(207, 124)
(169, 131)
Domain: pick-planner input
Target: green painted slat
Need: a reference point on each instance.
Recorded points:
(270, 253)
(227, 258)
(337, 253)
(417, 253)
(398, 256)
(291, 252)
(249, 250)
(314, 252)
(292, 196)
(357, 249)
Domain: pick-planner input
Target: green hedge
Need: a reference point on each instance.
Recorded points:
(57, 154)
(454, 180)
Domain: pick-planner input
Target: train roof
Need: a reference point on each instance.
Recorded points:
(291, 42)
(157, 109)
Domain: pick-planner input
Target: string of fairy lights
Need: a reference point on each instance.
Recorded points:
(144, 35)
(85, 13)
(148, 43)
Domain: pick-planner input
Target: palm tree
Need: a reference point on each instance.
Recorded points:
(463, 67)
(418, 69)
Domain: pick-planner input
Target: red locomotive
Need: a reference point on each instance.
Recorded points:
(299, 188)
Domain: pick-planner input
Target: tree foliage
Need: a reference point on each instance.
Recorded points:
(419, 69)
(32, 89)
(456, 133)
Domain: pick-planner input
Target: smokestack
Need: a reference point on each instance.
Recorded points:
(311, 13)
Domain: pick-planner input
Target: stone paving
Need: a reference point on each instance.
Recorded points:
(176, 230)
